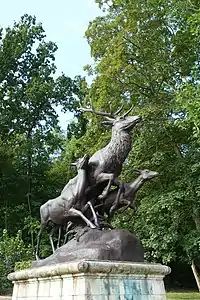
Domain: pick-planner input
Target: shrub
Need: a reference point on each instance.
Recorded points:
(12, 250)
(21, 265)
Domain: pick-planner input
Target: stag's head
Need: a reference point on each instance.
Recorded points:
(114, 120)
(123, 123)
(147, 174)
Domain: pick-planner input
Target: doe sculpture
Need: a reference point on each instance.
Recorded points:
(68, 205)
(127, 195)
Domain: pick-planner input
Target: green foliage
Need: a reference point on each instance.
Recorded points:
(181, 296)
(12, 250)
(147, 54)
(30, 138)
(21, 265)
(31, 141)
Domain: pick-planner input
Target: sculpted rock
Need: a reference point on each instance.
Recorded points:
(115, 244)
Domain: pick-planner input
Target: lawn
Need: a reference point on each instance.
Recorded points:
(182, 296)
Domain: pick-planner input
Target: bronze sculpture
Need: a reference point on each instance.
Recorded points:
(106, 164)
(87, 196)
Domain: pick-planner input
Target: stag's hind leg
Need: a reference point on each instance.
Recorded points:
(93, 214)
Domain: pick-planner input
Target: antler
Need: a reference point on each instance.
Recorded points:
(128, 111)
(119, 110)
(109, 116)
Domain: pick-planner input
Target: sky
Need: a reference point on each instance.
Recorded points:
(64, 22)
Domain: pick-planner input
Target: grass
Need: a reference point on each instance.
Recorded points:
(182, 296)
(170, 296)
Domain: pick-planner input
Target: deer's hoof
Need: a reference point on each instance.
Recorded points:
(102, 196)
(112, 211)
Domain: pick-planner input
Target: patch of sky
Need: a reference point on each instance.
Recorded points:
(65, 23)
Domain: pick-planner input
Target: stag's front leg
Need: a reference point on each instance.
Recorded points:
(104, 177)
(74, 212)
(67, 232)
(93, 214)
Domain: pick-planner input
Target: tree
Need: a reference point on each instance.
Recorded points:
(29, 94)
(33, 164)
(147, 53)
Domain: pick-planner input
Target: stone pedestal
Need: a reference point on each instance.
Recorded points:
(80, 280)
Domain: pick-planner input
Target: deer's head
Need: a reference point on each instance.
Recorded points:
(118, 123)
(126, 123)
(81, 163)
(147, 174)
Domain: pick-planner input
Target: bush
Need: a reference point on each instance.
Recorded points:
(21, 265)
(12, 250)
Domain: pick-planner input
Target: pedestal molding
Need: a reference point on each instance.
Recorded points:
(87, 266)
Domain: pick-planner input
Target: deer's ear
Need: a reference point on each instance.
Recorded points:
(137, 171)
(107, 123)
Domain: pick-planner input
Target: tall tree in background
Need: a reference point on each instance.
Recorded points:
(147, 53)
(29, 132)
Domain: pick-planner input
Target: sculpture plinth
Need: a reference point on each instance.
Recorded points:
(91, 280)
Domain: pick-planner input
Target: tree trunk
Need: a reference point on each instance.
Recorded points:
(196, 274)
(193, 266)
(5, 202)
(29, 178)
(196, 217)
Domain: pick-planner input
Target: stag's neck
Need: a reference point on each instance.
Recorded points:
(120, 145)
(135, 186)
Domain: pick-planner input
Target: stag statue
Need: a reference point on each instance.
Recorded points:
(105, 165)
(89, 194)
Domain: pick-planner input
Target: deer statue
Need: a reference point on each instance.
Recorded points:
(95, 175)
(127, 199)
(68, 205)
(127, 196)
(105, 165)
